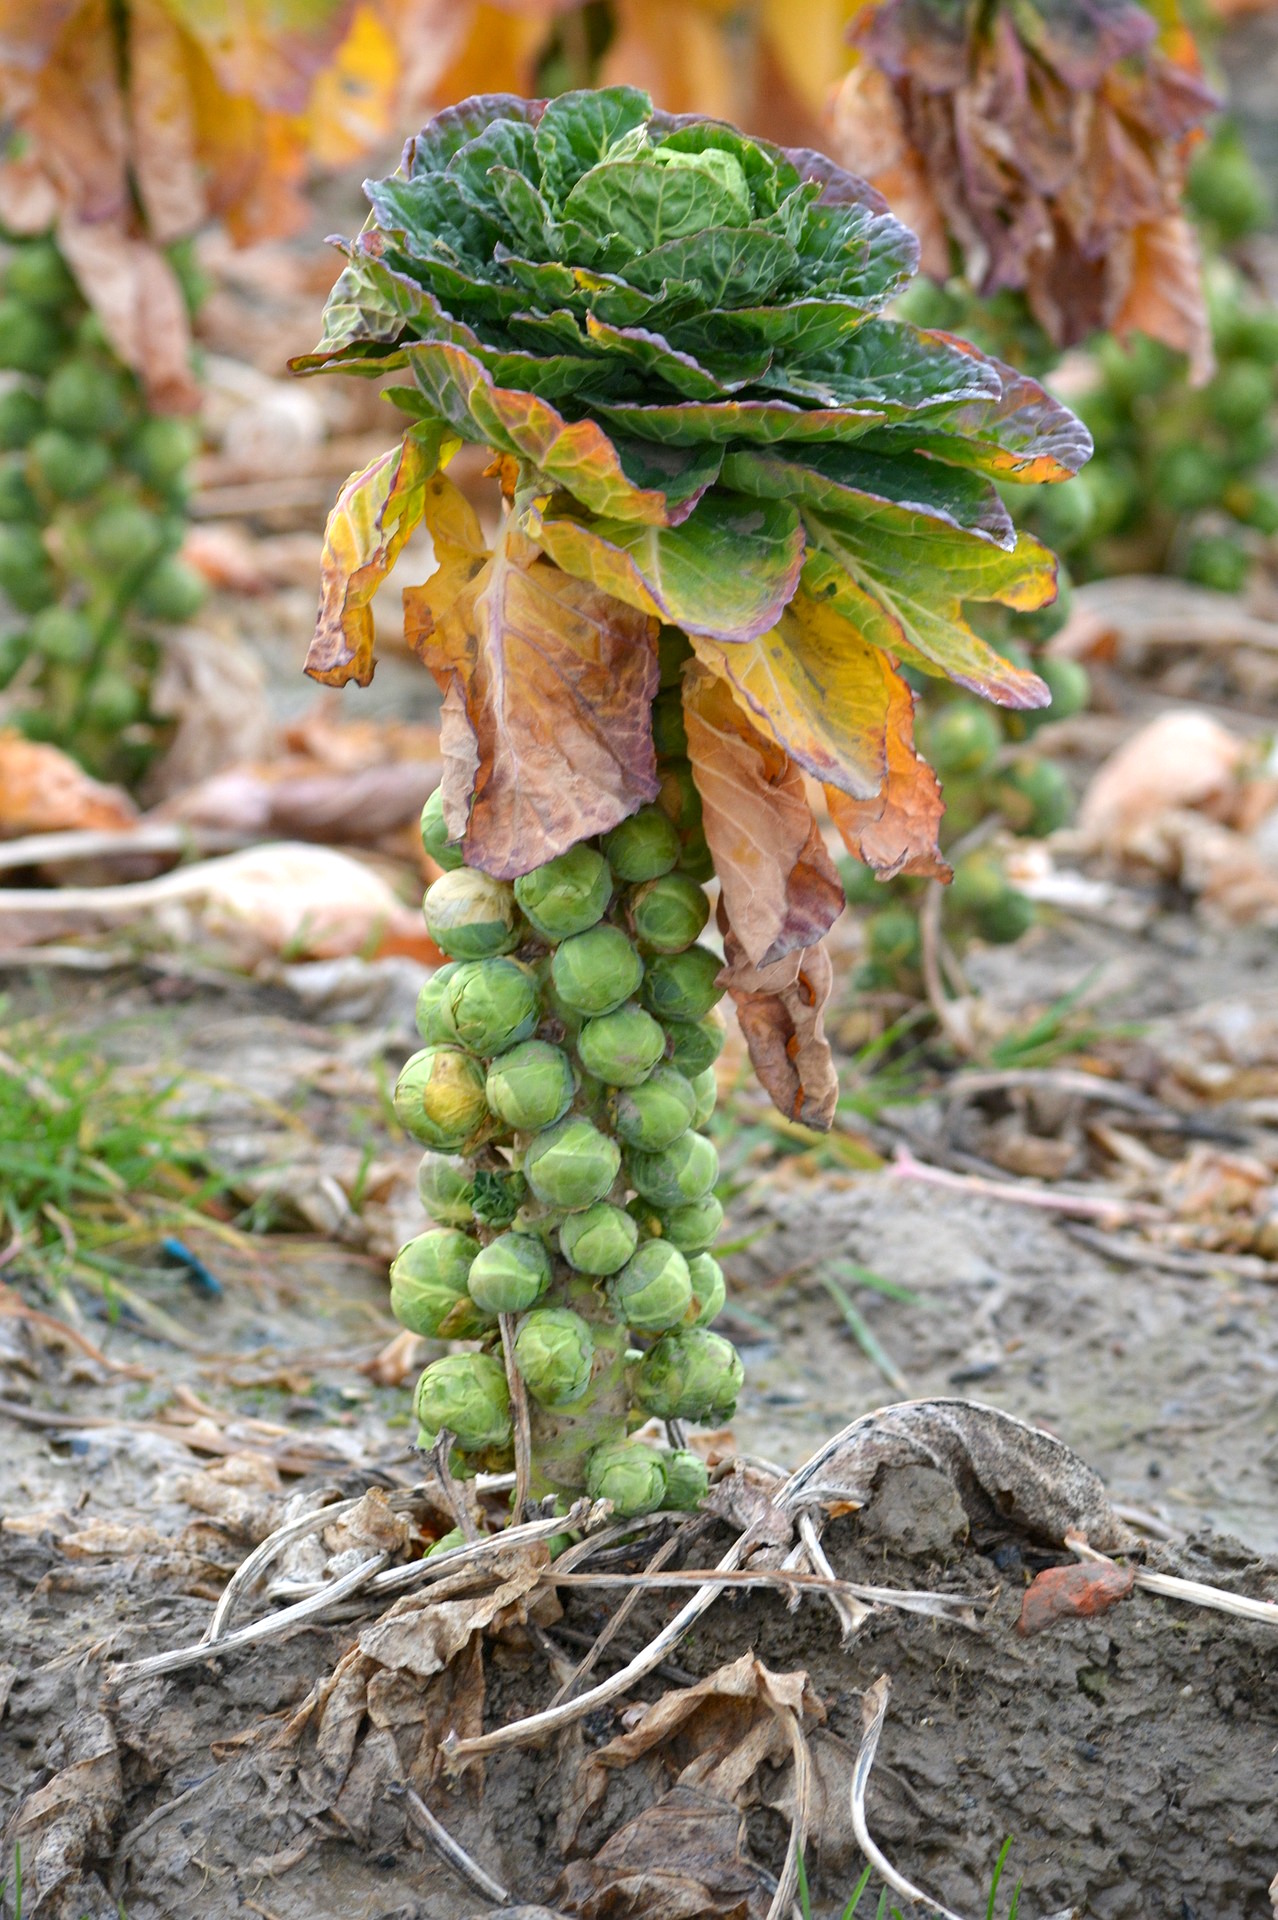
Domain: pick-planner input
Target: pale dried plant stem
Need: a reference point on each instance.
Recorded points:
(617, 1621)
(874, 1712)
(519, 1415)
(452, 1850)
(784, 1899)
(1024, 1193)
(851, 1613)
(1195, 1592)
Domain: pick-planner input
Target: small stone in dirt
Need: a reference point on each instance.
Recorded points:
(917, 1510)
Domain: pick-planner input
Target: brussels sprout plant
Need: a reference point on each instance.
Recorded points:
(735, 500)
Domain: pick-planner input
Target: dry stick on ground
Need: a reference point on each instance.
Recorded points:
(955, 1608)
(952, 1026)
(851, 1613)
(1024, 1193)
(874, 1712)
(1196, 1592)
(664, 1553)
(449, 1849)
(456, 1502)
(1183, 1260)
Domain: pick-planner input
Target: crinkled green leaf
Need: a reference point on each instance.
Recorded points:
(727, 265)
(646, 205)
(577, 129)
(727, 571)
(654, 356)
(799, 328)
(432, 149)
(889, 363)
(898, 491)
(690, 423)
(1025, 434)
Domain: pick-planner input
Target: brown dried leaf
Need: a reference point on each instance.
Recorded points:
(781, 1012)
(779, 885)
(545, 733)
(42, 790)
(69, 1821)
(871, 139)
(682, 1859)
(896, 832)
(1160, 291)
(136, 295)
(165, 156)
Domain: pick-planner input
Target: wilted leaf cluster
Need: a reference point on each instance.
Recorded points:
(1040, 147)
(92, 512)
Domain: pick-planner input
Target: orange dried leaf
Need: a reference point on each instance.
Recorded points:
(896, 831)
(781, 1012)
(43, 791)
(1073, 1593)
(781, 889)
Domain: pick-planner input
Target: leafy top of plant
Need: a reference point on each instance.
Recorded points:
(672, 339)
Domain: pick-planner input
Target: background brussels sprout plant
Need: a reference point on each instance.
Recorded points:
(735, 499)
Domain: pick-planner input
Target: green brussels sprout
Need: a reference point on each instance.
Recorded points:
(892, 937)
(17, 502)
(66, 467)
(435, 839)
(566, 895)
(687, 1481)
(554, 1348)
(572, 1164)
(642, 847)
(695, 1044)
(439, 1097)
(705, 1091)
(629, 1473)
(595, 971)
(510, 1274)
(1034, 797)
(695, 1226)
(124, 538)
(470, 915)
(685, 1170)
(531, 1085)
(678, 797)
(696, 859)
(38, 275)
(683, 986)
(27, 343)
(599, 1240)
(979, 882)
(446, 1189)
(499, 1194)
(709, 1289)
(692, 1374)
(428, 1286)
(445, 1543)
(1005, 920)
(655, 1113)
(25, 574)
(1240, 393)
(621, 1048)
(1214, 560)
(963, 738)
(669, 734)
(431, 1023)
(652, 1291)
(161, 449)
(63, 635)
(1070, 685)
(1190, 477)
(172, 591)
(113, 700)
(467, 1393)
(674, 649)
(21, 418)
(490, 1005)
(669, 913)
(85, 397)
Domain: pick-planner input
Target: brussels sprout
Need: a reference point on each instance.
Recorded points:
(124, 538)
(435, 835)
(39, 275)
(630, 1474)
(621, 1048)
(554, 1349)
(467, 1393)
(63, 635)
(1007, 919)
(709, 1290)
(599, 1240)
(85, 397)
(21, 418)
(687, 1481)
(669, 913)
(17, 502)
(1240, 394)
(172, 591)
(1034, 797)
(643, 846)
(470, 915)
(669, 735)
(653, 1114)
(979, 882)
(572, 1164)
(445, 1543)
(113, 700)
(161, 449)
(499, 1194)
(678, 797)
(963, 738)
(705, 1091)
(430, 1000)
(892, 937)
(673, 649)
(510, 1274)
(25, 574)
(490, 1005)
(1070, 685)
(531, 1085)
(695, 1044)
(428, 1286)
(652, 1291)
(685, 1170)
(696, 859)
(595, 971)
(27, 344)
(566, 895)
(68, 468)
(446, 1189)
(439, 1097)
(1214, 560)
(692, 1374)
(683, 986)
(694, 1227)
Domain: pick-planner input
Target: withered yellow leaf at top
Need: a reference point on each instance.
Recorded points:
(818, 689)
(895, 831)
(546, 730)
(780, 887)
(375, 513)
